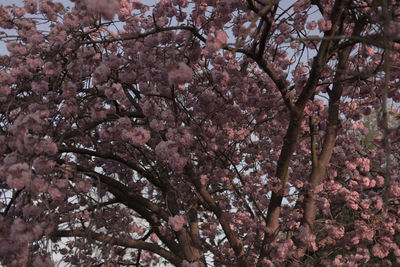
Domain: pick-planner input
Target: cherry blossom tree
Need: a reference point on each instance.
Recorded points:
(200, 133)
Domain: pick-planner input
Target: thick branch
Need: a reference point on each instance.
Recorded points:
(384, 120)
(114, 157)
(123, 194)
(116, 188)
(12, 201)
(233, 239)
(318, 170)
(291, 137)
(120, 241)
(145, 34)
(280, 84)
(91, 125)
(136, 203)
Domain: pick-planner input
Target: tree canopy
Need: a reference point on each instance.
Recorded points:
(200, 133)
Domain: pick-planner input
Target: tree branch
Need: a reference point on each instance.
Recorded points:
(291, 137)
(319, 168)
(132, 165)
(233, 239)
(136, 203)
(91, 125)
(145, 34)
(120, 241)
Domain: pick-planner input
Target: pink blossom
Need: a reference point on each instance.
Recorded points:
(299, 20)
(18, 226)
(101, 73)
(30, 6)
(42, 261)
(140, 136)
(274, 184)
(16, 48)
(221, 37)
(36, 39)
(301, 5)
(396, 250)
(49, 9)
(71, 20)
(180, 75)
(379, 180)
(324, 25)
(363, 164)
(351, 165)
(167, 115)
(177, 162)
(41, 87)
(37, 231)
(280, 39)
(83, 186)
(216, 42)
(19, 175)
(365, 181)
(51, 69)
(55, 193)
(372, 183)
(115, 92)
(125, 122)
(176, 222)
(106, 8)
(186, 139)
(156, 125)
(59, 33)
(30, 211)
(367, 50)
(49, 146)
(69, 90)
(267, 263)
(311, 25)
(294, 44)
(336, 232)
(98, 111)
(204, 179)
(379, 251)
(282, 250)
(394, 190)
(43, 165)
(62, 183)
(39, 184)
(68, 108)
(5, 90)
(362, 255)
(352, 199)
(284, 28)
(324, 205)
(126, 8)
(364, 231)
(127, 135)
(31, 143)
(34, 62)
(378, 203)
(357, 126)
(19, 11)
(154, 237)
(306, 237)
